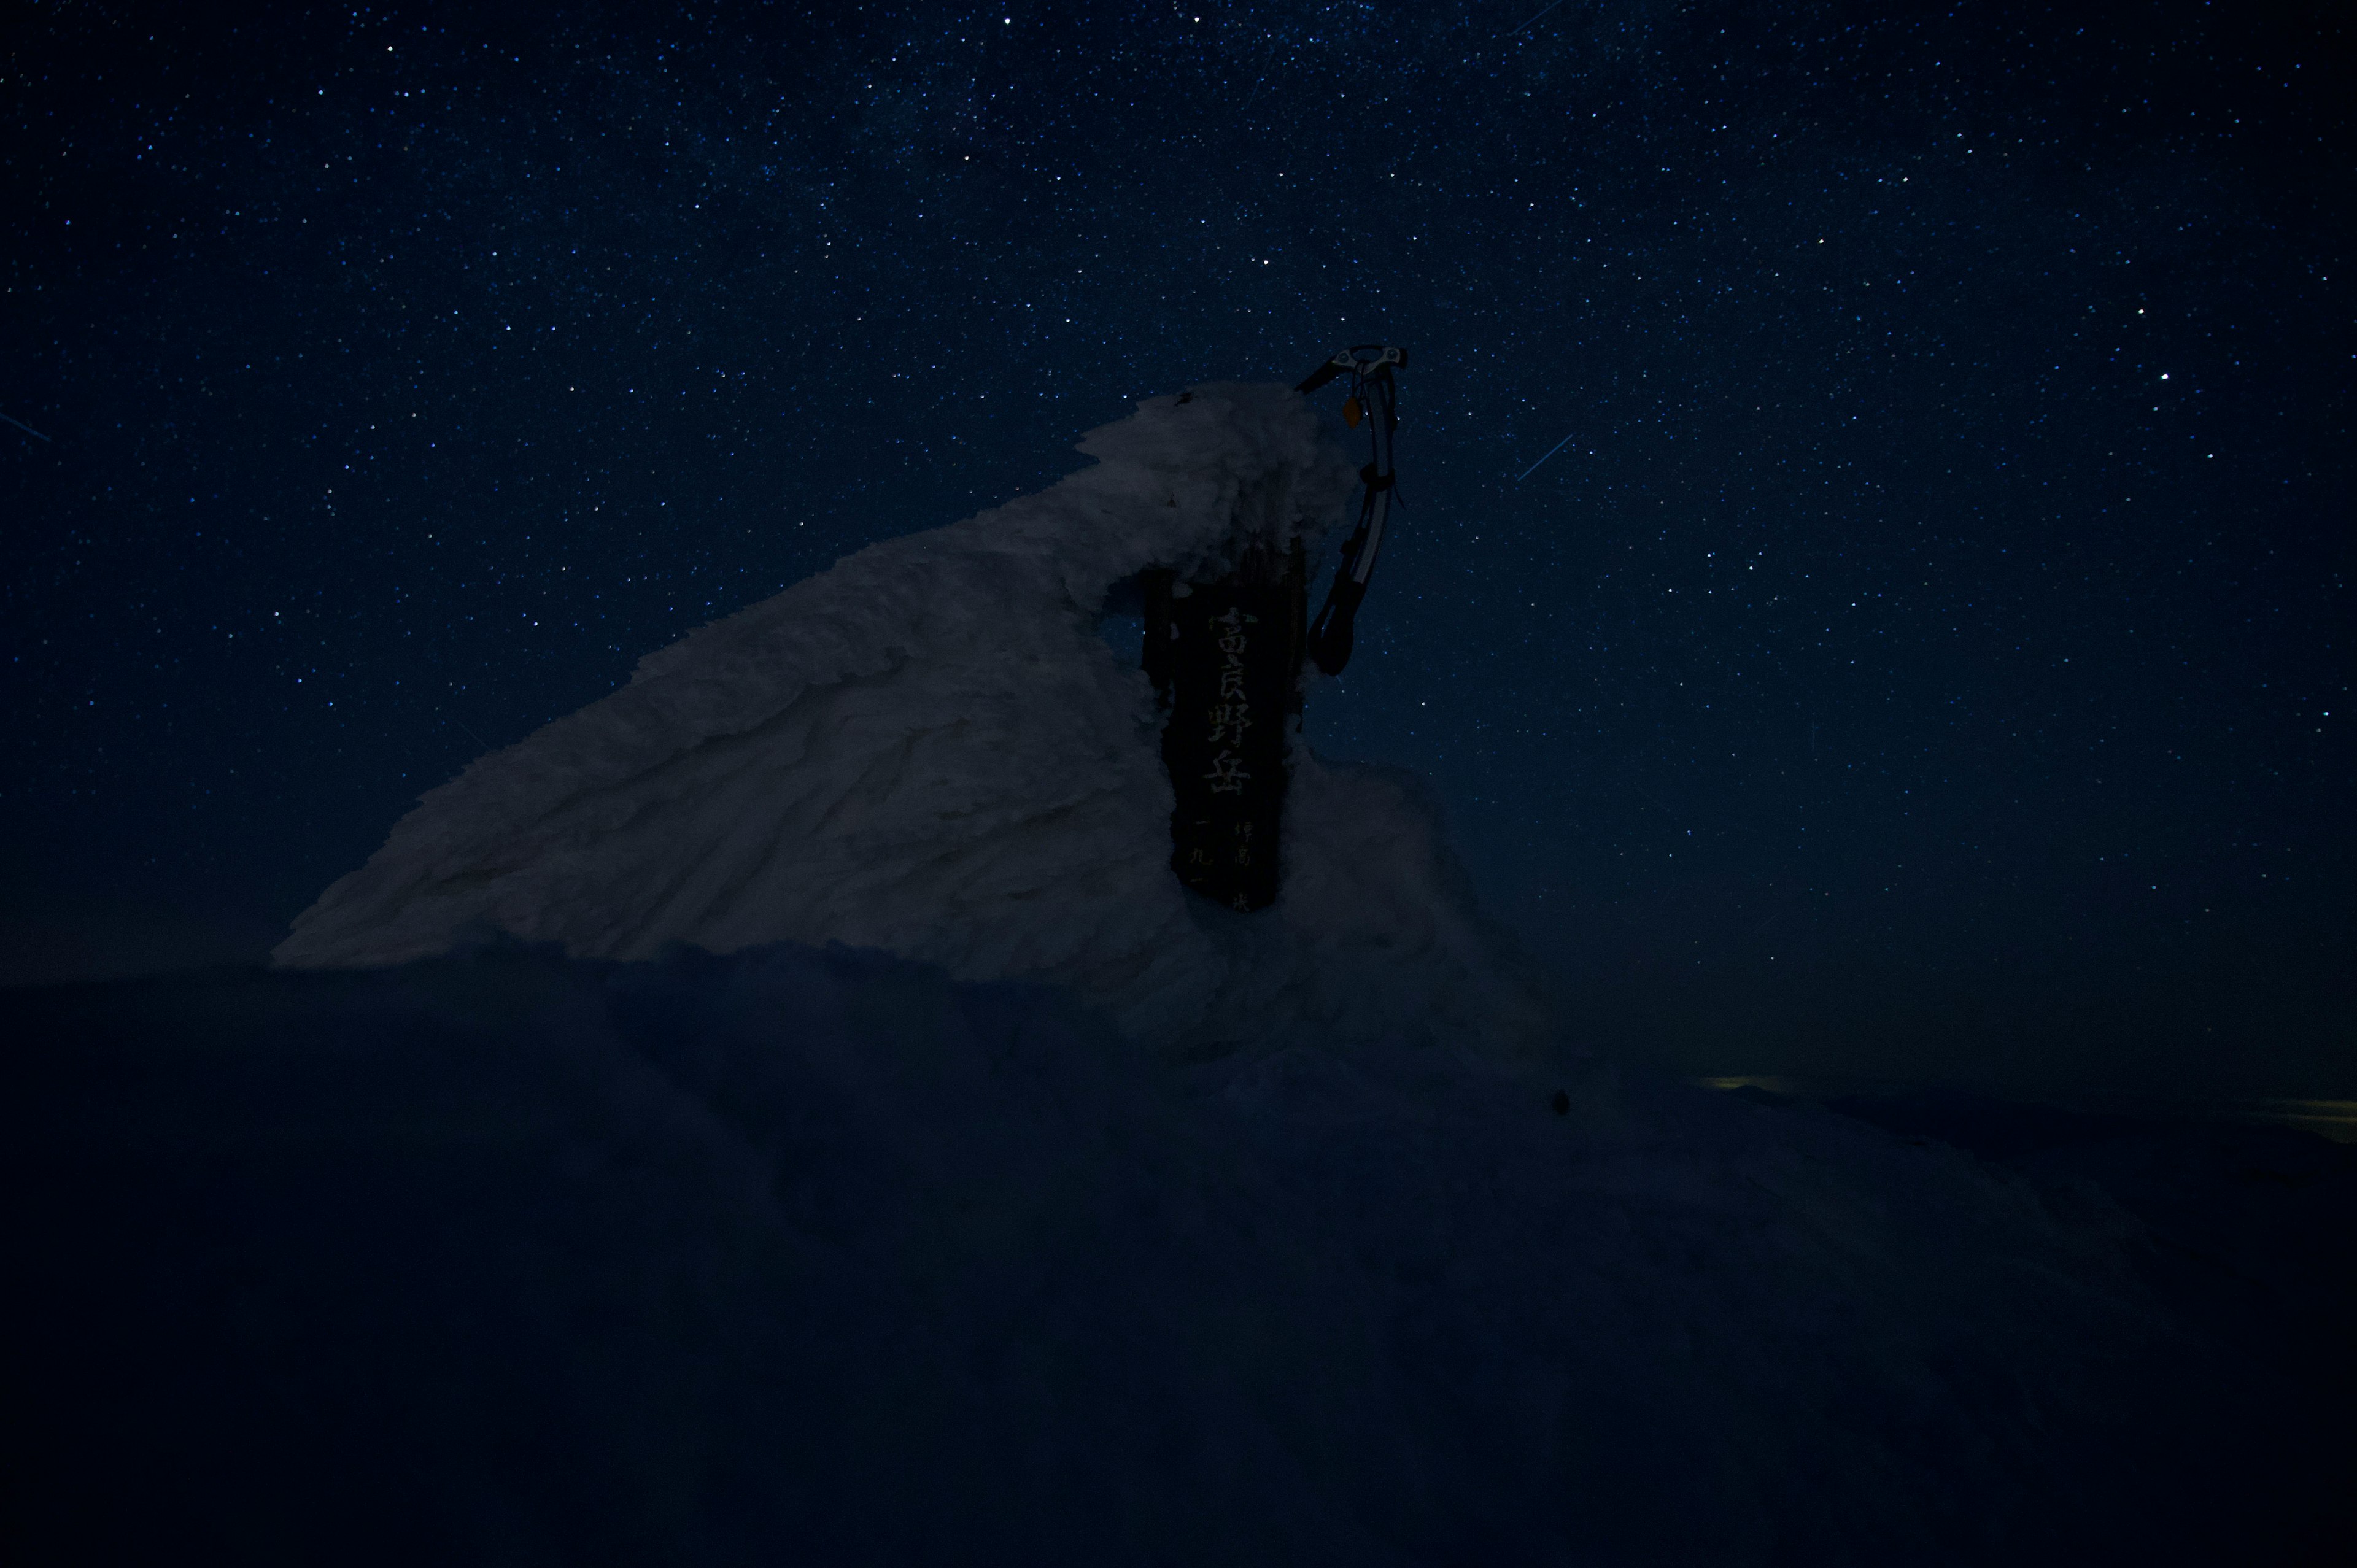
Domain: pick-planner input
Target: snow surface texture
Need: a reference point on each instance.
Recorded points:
(797, 1257)
(928, 749)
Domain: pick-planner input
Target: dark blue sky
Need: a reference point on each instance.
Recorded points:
(1926, 653)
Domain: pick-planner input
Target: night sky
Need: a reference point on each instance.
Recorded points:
(1925, 651)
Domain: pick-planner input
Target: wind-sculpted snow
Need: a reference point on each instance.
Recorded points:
(927, 749)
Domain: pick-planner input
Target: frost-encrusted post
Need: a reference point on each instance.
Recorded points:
(1225, 655)
(926, 748)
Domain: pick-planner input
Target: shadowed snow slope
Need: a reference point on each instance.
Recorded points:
(797, 1257)
(927, 749)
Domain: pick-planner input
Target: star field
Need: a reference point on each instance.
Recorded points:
(1872, 585)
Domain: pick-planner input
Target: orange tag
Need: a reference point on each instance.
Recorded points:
(1352, 413)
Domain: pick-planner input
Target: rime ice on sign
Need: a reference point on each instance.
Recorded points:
(926, 748)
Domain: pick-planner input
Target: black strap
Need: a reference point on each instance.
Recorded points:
(1331, 633)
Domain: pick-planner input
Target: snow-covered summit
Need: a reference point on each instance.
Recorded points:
(928, 749)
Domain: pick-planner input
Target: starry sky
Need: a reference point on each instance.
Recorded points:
(1872, 585)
